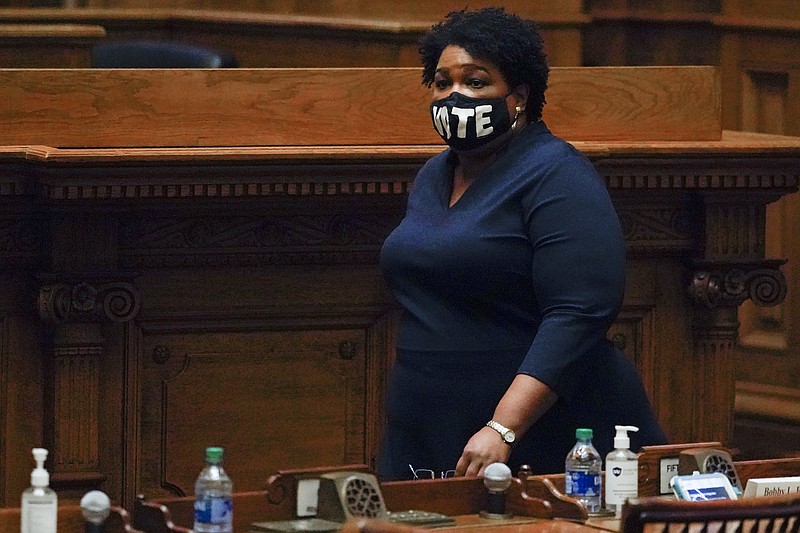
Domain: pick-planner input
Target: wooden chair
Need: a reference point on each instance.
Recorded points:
(158, 54)
(778, 514)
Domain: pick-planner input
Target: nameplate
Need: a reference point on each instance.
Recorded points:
(772, 486)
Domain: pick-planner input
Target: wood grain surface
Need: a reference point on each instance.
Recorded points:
(306, 107)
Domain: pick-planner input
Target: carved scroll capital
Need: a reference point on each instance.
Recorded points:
(86, 301)
(729, 283)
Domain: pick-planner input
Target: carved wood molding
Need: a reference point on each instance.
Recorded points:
(729, 283)
(649, 178)
(88, 301)
(717, 288)
(714, 341)
(145, 191)
(97, 175)
(22, 240)
(649, 228)
(14, 183)
(353, 238)
(76, 408)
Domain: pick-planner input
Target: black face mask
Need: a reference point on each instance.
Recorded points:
(467, 123)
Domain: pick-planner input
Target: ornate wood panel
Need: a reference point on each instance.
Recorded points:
(272, 390)
(768, 359)
(166, 267)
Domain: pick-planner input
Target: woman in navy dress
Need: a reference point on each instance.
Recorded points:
(510, 268)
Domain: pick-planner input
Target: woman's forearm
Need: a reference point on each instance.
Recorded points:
(525, 401)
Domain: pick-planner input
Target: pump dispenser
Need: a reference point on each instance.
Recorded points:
(39, 501)
(622, 471)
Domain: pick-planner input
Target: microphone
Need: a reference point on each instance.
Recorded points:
(497, 479)
(95, 507)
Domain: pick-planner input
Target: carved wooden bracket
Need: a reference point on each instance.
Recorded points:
(85, 301)
(717, 288)
(729, 283)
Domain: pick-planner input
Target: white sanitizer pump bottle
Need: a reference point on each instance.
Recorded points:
(622, 471)
(39, 502)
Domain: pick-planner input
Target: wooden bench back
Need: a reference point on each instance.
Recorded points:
(82, 108)
(752, 515)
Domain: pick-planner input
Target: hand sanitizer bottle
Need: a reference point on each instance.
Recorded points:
(622, 471)
(39, 501)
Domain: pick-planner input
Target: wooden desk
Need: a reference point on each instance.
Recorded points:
(534, 505)
(70, 520)
(334, 38)
(48, 45)
(461, 498)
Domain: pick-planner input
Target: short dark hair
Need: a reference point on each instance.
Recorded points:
(492, 34)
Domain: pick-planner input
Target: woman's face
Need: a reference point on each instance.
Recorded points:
(457, 71)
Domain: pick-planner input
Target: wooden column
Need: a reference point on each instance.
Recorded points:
(732, 270)
(83, 299)
(78, 307)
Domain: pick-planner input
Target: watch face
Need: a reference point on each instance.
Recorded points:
(509, 436)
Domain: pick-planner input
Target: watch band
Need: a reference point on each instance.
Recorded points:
(507, 434)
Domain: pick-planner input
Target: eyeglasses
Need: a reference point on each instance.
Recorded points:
(427, 473)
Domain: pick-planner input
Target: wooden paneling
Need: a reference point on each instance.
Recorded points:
(660, 6)
(254, 268)
(226, 283)
(379, 106)
(21, 377)
(47, 45)
(761, 68)
(416, 10)
(296, 38)
(300, 395)
(769, 9)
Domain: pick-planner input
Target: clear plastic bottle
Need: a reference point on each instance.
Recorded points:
(213, 504)
(622, 471)
(584, 472)
(39, 501)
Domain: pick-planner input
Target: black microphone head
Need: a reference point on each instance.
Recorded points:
(95, 507)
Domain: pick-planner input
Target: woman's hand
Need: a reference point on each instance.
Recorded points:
(524, 402)
(484, 448)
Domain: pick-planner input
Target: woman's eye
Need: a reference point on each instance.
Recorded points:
(475, 83)
(441, 84)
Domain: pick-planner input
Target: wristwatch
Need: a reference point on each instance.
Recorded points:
(507, 434)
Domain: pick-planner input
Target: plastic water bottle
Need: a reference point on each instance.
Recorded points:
(584, 472)
(213, 504)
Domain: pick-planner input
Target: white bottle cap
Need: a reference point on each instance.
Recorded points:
(621, 440)
(39, 476)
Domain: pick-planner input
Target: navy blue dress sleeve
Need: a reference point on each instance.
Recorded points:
(578, 268)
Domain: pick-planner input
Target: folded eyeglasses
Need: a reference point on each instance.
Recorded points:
(427, 473)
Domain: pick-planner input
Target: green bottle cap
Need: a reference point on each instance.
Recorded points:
(583, 434)
(214, 455)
